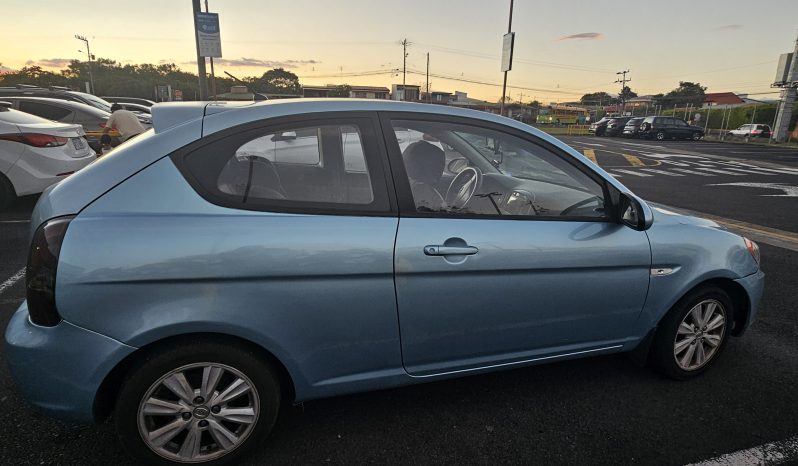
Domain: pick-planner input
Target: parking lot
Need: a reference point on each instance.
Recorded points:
(603, 410)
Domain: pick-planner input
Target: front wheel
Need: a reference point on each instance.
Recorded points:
(693, 334)
(205, 403)
(696, 136)
(660, 135)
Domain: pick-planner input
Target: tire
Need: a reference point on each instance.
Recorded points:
(7, 193)
(696, 136)
(671, 333)
(660, 136)
(257, 408)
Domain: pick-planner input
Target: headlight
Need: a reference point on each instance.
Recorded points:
(753, 248)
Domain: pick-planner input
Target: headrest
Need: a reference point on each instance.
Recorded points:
(424, 162)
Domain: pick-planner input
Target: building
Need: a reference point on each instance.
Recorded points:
(406, 92)
(722, 100)
(357, 92)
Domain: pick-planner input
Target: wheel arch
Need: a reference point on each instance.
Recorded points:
(737, 294)
(105, 399)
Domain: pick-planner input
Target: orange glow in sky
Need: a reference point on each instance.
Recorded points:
(563, 48)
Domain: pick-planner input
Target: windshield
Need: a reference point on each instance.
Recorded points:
(96, 101)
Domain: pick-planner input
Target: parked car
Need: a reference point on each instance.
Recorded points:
(661, 128)
(751, 130)
(246, 256)
(35, 153)
(91, 118)
(615, 126)
(632, 127)
(55, 92)
(598, 128)
(136, 108)
(130, 100)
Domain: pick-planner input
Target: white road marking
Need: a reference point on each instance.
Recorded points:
(789, 191)
(14, 221)
(13, 279)
(753, 171)
(661, 172)
(692, 172)
(762, 455)
(722, 172)
(592, 144)
(630, 172)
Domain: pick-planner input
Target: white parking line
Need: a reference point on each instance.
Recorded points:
(763, 455)
(630, 172)
(754, 171)
(13, 279)
(692, 172)
(661, 172)
(723, 172)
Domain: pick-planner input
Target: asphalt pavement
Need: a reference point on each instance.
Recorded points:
(601, 410)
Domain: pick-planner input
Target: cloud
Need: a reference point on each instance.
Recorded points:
(583, 36)
(258, 63)
(51, 62)
(729, 27)
(5, 69)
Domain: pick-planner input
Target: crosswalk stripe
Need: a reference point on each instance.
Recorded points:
(591, 154)
(752, 170)
(785, 171)
(723, 172)
(692, 172)
(634, 160)
(630, 172)
(661, 172)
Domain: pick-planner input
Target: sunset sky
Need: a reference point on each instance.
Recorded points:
(563, 48)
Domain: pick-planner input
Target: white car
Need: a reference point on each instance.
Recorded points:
(35, 153)
(762, 131)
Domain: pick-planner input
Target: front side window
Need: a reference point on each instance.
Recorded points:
(456, 169)
(296, 166)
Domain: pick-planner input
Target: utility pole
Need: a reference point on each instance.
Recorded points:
(788, 95)
(203, 83)
(88, 52)
(429, 98)
(213, 74)
(404, 43)
(504, 84)
(623, 82)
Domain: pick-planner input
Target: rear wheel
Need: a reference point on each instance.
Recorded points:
(204, 403)
(693, 334)
(660, 135)
(696, 136)
(7, 193)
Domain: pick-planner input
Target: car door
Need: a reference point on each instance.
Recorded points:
(532, 266)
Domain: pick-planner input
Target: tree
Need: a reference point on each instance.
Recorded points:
(627, 94)
(344, 90)
(280, 81)
(598, 98)
(686, 93)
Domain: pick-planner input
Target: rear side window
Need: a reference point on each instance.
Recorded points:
(20, 118)
(328, 166)
(51, 112)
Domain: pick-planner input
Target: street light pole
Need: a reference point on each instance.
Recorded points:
(203, 83)
(88, 52)
(504, 84)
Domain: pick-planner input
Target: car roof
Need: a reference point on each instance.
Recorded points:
(71, 104)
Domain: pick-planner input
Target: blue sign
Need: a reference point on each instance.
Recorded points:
(208, 37)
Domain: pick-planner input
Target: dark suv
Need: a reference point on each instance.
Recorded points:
(661, 128)
(632, 128)
(615, 126)
(55, 92)
(599, 127)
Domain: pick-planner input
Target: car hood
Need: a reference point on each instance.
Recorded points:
(663, 215)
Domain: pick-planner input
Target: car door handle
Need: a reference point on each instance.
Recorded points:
(450, 250)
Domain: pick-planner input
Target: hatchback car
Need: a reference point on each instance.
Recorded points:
(244, 256)
(598, 128)
(35, 153)
(661, 128)
(615, 126)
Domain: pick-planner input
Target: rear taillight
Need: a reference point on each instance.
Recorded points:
(35, 139)
(40, 274)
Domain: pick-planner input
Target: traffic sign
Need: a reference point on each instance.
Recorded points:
(208, 37)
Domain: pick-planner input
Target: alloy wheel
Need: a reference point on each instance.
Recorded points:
(699, 335)
(198, 412)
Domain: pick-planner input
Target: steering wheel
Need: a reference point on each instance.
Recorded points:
(463, 187)
(579, 204)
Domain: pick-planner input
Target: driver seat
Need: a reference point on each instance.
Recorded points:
(424, 163)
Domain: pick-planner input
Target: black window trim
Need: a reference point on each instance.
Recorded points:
(407, 207)
(384, 202)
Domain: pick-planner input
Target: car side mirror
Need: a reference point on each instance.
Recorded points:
(634, 213)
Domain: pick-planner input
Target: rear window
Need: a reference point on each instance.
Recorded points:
(51, 112)
(20, 118)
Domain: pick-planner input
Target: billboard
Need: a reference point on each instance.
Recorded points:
(208, 37)
(783, 70)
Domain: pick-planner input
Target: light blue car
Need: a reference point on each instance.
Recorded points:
(239, 257)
